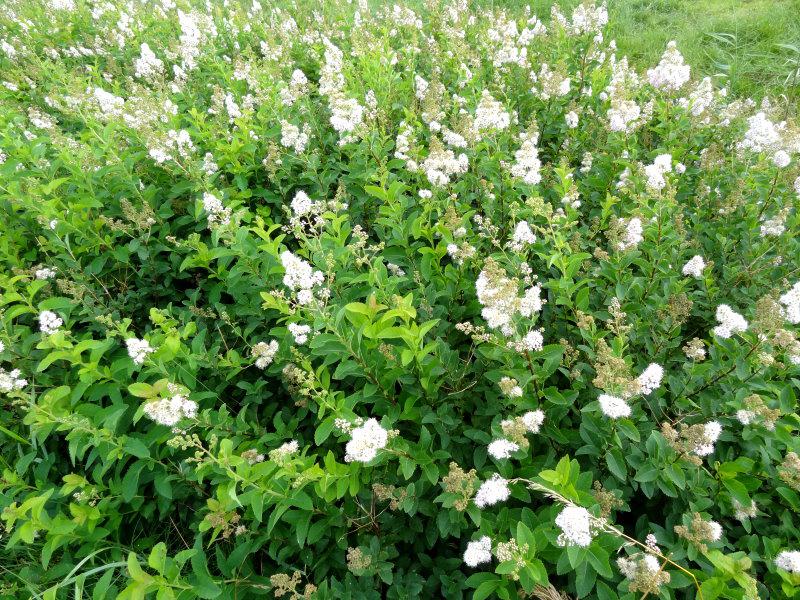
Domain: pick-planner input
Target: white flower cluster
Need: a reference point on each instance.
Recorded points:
(656, 171)
(632, 235)
(527, 165)
(301, 204)
(218, 214)
(588, 18)
(533, 420)
(489, 115)
(730, 322)
(298, 83)
(550, 83)
(292, 137)
(533, 341)
(191, 38)
(264, 353)
(671, 72)
(712, 431)
(365, 441)
(163, 149)
(168, 411)
(694, 267)
(451, 138)
(44, 273)
(49, 322)
(500, 301)
(762, 134)
(613, 407)
(109, 104)
(791, 303)
(478, 552)
(788, 560)
(701, 98)
(300, 332)
(307, 214)
(284, 451)
(300, 277)
(510, 387)
(575, 523)
(148, 66)
(624, 116)
(502, 448)
(773, 227)
(508, 45)
(346, 113)
(522, 237)
(492, 491)
(632, 568)
(11, 380)
(138, 349)
(441, 164)
(571, 119)
(715, 531)
(650, 379)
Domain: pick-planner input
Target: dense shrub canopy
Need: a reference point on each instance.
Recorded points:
(322, 301)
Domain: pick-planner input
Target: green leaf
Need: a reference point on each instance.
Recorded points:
(599, 559)
(616, 464)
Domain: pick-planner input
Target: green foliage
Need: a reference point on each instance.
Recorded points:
(241, 363)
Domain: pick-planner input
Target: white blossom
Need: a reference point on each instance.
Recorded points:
(650, 379)
(49, 322)
(478, 552)
(492, 491)
(300, 275)
(572, 119)
(138, 349)
(671, 73)
(533, 340)
(791, 304)
(613, 407)
(712, 431)
(632, 235)
(533, 420)
(781, 159)
(694, 267)
(218, 214)
(788, 560)
(302, 204)
(490, 116)
(169, 411)
(762, 134)
(11, 380)
(300, 332)
(365, 441)
(575, 523)
(715, 531)
(292, 137)
(264, 353)
(502, 448)
(148, 66)
(346, 114)
(623, 116)
(522, 237)
(44, 273)
(730, 322)
(656, 171)
(527, 165)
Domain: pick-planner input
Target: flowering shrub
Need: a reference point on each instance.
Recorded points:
(319, 301)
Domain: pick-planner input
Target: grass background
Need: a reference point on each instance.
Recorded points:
(755, 44)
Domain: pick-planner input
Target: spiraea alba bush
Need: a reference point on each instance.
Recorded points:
(318, 300)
